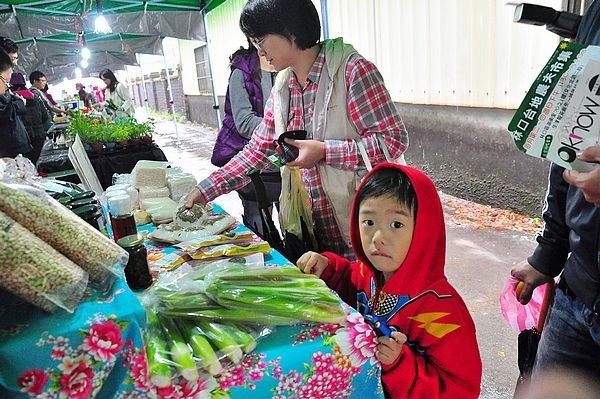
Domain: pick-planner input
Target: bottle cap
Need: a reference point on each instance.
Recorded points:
(130, 241)
(119, 205)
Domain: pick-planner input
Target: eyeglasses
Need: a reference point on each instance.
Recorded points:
(258, 43)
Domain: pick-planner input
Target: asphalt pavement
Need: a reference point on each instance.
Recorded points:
(478, 259)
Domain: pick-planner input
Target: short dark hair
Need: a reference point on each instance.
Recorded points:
(8, 45)
(5, 61)
(390, 182)
(108, 74)
(35, 75)
(287, 18)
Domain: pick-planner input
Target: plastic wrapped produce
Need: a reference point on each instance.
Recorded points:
(65, 232)
(36, 272)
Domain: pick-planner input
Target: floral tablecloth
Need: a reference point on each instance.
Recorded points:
(95, 352)
(98, 352)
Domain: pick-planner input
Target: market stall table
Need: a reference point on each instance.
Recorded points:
(301, 361)
(99, 350)
(95, 352)
(54, 161)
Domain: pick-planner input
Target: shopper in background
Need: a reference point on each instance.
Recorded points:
(118, 101)
(35, 118)
(39, 87)
(250, 83)
(13, 136)
(327, 89)
(11, 48)
(84, 96)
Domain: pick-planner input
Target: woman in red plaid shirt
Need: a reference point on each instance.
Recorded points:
(327, 89)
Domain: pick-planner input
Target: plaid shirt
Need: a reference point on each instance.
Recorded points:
(370, 108)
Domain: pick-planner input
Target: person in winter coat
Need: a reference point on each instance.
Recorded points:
(569, 246)
(331, 92)
(35, 118)
(249, 86)
(426, 337)
(13, 136)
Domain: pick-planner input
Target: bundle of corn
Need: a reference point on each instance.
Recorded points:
(65, 232)
(36, 272)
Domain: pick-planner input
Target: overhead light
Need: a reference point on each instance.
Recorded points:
(84, 63)
(85, 53)
(101, 25)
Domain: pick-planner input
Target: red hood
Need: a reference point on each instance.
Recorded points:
(424, 263)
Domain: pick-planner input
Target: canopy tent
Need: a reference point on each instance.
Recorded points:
(54, 51)
(182, 19)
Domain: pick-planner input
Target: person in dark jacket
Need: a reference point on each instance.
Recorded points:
(36, 117)
(569, 243)
(13, 136)
(250, 83)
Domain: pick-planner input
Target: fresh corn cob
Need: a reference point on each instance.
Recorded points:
(239, 335)
(223, 314)
(220, 339)
(201, 348)
(159, 370)
(179, 351)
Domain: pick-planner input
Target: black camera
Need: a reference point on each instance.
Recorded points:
(564, 24)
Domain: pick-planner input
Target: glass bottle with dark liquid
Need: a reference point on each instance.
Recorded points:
(122, 222)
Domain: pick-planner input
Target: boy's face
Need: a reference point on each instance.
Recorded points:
(386, 229)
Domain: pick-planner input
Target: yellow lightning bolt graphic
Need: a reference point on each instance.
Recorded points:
(438, 330)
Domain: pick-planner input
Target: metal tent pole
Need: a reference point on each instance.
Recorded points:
(145, 102)
(212, 83)
(170, 94)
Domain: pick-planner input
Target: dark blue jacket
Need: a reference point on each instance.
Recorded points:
(570, 240)
(13, 136)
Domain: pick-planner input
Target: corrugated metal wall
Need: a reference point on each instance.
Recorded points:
(439, 52)
(446, 52)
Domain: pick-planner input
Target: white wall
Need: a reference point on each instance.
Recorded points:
(439, 52)
(446, 52)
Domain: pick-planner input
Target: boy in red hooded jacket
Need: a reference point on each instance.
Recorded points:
(426, 336)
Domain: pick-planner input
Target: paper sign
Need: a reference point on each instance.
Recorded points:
(560, 115)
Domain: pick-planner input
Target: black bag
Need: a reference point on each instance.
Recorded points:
(291, 246)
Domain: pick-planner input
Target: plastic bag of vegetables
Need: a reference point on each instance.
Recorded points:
(65, 232)
(34, 271)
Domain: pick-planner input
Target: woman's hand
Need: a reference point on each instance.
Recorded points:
(389, 348)
(310, 152)
(194, 197)
(312, 263)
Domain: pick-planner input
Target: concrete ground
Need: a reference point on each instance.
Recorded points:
(478, 259)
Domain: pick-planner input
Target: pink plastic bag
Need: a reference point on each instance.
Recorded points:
(520, 317)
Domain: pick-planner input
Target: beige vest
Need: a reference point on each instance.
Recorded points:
(331, 122)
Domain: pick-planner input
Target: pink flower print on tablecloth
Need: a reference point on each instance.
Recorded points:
(32, 381)
(357, 341)
(78, 383)
(328, 379)
(104, 341)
